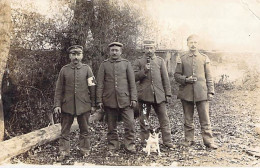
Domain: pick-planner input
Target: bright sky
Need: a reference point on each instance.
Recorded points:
(224, 24)
(44, 7)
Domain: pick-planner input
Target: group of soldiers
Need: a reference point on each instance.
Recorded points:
(114, 90)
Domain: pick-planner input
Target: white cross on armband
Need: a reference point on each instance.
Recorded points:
(91, 81)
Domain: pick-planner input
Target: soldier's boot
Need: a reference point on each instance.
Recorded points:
(129, 144)
(189, 134)
(144, 136)
(166, 137)
(187, 143)
(208, 138)
(130, 148)
(84, 146)
(212, 146)
(113, 145)
(64, 147)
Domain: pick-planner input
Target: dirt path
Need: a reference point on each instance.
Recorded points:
(233, 115)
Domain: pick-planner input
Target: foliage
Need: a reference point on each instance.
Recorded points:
(224, 83)
(38, 51)
(29, 89)
(250, 80)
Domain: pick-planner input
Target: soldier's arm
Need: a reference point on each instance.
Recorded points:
(59, 89)
(92, 87)
(165, 79)
(131, 81)
(208, 75)
(138, 71)
(100, 83)
(178, 75)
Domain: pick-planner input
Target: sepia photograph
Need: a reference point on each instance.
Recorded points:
(149, 83)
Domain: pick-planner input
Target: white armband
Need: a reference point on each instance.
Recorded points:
(91, 81)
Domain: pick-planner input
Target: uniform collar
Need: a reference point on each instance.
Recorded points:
(152, 57)
(196, 53)
(117, 60)
(78, 66)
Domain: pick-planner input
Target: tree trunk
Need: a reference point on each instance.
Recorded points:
(83, 16)
(5, 32)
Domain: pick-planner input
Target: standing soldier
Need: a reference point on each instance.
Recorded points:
(72, 98)
(196, 87)
(116, 93)
(154, 90)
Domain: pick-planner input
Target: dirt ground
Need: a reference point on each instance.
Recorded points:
(233, 115)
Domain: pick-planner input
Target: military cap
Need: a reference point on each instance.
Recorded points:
(77, 48)
(192, 37)
(115, 44)
(148, 42)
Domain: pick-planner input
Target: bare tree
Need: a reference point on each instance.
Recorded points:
(5, 29)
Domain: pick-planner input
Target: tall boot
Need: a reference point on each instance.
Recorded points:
(64, 147)
(84, 145)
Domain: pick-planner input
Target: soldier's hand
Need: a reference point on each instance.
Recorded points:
(57, 110)
(147, 67)
(168, 99)
(92, 110)
(133, 103)
(210, 97)
(191, 79)
(100, 105)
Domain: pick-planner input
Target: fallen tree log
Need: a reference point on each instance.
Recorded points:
(23, 143)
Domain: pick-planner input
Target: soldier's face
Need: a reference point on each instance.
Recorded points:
(115, 52)
(193, 44)
(76, 56)
(149, 50)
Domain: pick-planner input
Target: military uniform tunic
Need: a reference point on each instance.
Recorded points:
(116, 89)
(116, 83)
(196, 65)
(73, 92)
(155, 84)
(154, 87)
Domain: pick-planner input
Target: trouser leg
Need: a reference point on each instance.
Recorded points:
(84, 143)
(129, 126)
(206, 131)
(144, 120)
(188, 110)
(160, 110)
(112, 136)
(66, 122)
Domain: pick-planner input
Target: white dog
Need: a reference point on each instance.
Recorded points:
(152, 143)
